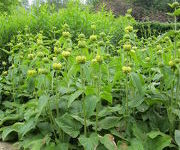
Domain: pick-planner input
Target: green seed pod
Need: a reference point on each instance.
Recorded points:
(66, 54)
(93, 27)
(147, 59)
(81, 59)
(81, 36)
(126, 36)
(57, 66)
(4, 73)
(42, 71)
(127, 47)
(4, 63)
(99, 59)
(102, 34)
(128, 29)
(159, 52)
(93, 38)
(30, 56)
(81, 44)
(40, 54)
(66, 34)
(126, 69)
(32, 73)
(160, 64)
(57, 50)
(101, 43)
(45, 60)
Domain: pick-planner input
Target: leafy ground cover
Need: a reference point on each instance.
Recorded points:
(63, 92)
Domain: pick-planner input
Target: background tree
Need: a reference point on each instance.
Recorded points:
(7, 5)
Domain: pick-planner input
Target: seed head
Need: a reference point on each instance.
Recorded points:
(32, 72)
(66, 54)
(81, 59)
(127, 47)
(57, 66)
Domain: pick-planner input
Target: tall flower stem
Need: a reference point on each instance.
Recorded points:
(99, 97)
(83, 99)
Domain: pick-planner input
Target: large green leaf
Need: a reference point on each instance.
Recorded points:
(177, 137)
(89, 143)
(137, 83)
(27, 126)
(107, 96)
(159, 140)
(14, 128)
(69, 125)
(74, 96)
(108, 142)
(109, 122)
(90, 104)
(136, 145)
(42, 103)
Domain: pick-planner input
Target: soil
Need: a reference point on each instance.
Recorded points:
(6, 146)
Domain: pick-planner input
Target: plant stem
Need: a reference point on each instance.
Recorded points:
(83, 99)
(99, 90)
(126, 102)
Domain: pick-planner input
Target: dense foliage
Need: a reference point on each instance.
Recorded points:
(45, 18)
(69, 86)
